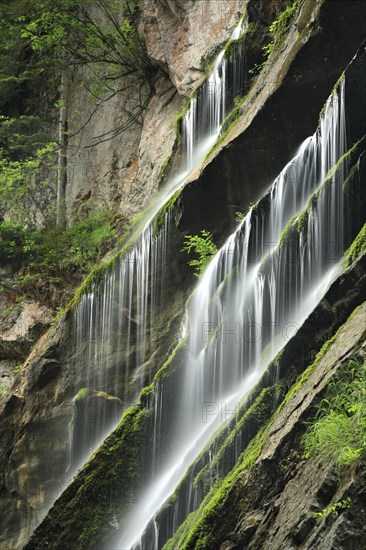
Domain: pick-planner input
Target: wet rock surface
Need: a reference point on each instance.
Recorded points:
(41, 402)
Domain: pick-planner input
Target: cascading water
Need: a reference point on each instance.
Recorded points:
(214, 100)
(256, 292)
(115, 318)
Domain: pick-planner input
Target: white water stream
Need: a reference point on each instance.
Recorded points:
(255, 294)
(118, 313)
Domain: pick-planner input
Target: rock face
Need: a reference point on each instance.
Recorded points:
(180, 33)
(36, 413)
(230, 177)
(128, 443)
(20, 327)
(271, 506)
(108, 167)
(122, 173)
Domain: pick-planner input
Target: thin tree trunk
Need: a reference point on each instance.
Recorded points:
(62, 155)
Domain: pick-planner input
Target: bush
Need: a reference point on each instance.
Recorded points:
(204, 248)
(15, 242)
(339, 431)
(56, 256)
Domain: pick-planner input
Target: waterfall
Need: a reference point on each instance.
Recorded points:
(255, 293)
(115, 318)
(214, 100)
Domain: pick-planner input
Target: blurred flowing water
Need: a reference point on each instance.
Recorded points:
(115, 318)
(256, 292)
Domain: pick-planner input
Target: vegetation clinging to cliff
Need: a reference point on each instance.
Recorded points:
(40, 40)
(339, 431)
(203, 246)
(357, 247)
(41, 256)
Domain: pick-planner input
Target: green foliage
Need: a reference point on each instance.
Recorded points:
(25, 190)
(159, 220)
(203, 246)
(42, 256)
(279, 28)
(180, 116)
(18, 368)
(334, 508)
(339, 431)
(357, 248)
(239, 216)
(101, 33)
(39, 39)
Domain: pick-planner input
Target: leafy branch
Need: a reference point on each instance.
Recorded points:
(204, 248)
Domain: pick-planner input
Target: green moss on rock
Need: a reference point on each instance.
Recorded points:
(197, 530)
(169, 206)
(82, 394)
(100, 493)
(357, 248)
(300, 219)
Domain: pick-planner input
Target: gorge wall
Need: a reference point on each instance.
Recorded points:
(280, 110)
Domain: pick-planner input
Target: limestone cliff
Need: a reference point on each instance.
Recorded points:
(280, 109)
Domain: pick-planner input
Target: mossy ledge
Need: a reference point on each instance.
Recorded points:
(86, 393)
(299, 221)
(306, 348)
(85, 513)
(357, 248)
(82, 526)
(196, 531)
(104, 488)
(126, 242)
(172, 205)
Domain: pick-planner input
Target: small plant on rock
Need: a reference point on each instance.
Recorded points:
(204, 248)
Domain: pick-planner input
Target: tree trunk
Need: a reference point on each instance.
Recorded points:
(62, 154)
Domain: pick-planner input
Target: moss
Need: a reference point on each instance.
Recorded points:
(180, 116)
(94, 499)
(196, 531)
(291, 224)
(348, 156)
(168, 366)
(300, 219)
(231, 120)
(232, 46)
(80, 517)
(99, 271)
(163, 170)
(253, 418)
(333, 92)
(353, 171)
(227, 126)
(280, 27)
(82, 394)
(255, 409)
(357, 248)
(86, 392)
(12, 309)
(159, 220)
